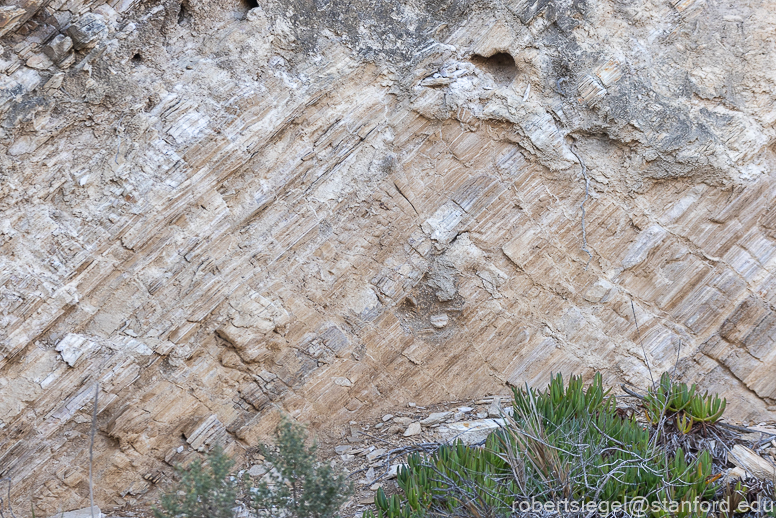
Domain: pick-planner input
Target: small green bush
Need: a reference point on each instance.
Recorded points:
(205, 490)
(298, 486)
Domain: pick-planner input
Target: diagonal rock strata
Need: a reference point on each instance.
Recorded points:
(222, 214)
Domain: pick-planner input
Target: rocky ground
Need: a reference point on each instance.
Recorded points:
(371, 452)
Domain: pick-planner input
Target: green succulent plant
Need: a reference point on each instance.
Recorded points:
(537, 454)
(706, 408)
(684, 423)
(670, 398)
(733, 494)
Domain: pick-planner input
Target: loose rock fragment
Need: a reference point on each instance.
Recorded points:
(393, 471)
(412, 429)
(435, 418)
(10, 16)
(39, 62)
(257, 470)
(469, 432)
(206, 434)
(439, 321)
(735, 474)
(372, 455)
(73, 346)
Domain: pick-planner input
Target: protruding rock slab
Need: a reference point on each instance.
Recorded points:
(470, 432)
(752, 463)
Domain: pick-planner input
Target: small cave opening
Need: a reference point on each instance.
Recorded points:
(247, 5)
(500, 65)
(184, 15)
(136, 59)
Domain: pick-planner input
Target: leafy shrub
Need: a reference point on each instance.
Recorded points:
(566, 442)
(298, 486)
(205, 490)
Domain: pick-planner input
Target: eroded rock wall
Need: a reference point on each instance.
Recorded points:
(220, 211)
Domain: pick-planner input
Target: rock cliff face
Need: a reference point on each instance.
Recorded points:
(219, 211)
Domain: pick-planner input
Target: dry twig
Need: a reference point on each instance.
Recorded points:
(2, 501)
(582, 206)
(91, 448)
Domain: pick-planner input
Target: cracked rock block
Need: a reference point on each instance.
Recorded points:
(442, 224)
(58, 49)
(435, 418)
(752, 463)
(335, 340)
(205, 434)
(590, 90)
(10, 18)
(254, 396)
(16, 13)
(87, 31)
(73, 346)
(39, 62)
(412, 429)
(250, 345)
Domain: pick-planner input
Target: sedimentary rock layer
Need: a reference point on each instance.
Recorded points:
(221, 211)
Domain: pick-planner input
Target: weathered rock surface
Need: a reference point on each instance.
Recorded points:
(752, 464)
(220, 212)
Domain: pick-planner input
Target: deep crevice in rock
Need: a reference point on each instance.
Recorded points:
(184, 15)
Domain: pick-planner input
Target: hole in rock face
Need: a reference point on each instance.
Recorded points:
(501, 66)
(184, 15)
(249, 4)
(136, 59)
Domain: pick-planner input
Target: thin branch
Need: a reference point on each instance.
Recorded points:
(641, 341)
(678, 354)
(631, 392)
(582, 206)
(741, 428)
(91, 447)
(2, 503)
